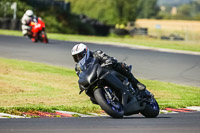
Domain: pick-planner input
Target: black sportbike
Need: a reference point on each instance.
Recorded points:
(114, 93)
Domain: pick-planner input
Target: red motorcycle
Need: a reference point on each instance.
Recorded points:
(37, 32)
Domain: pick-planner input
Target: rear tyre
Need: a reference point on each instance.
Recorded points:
(44, 37)
(45, 40)
(112, 107)
(151, 110)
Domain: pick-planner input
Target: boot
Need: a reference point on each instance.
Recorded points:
(124, 69)
(135, 82)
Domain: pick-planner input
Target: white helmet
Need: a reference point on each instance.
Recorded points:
(80, 53)
(29, 13)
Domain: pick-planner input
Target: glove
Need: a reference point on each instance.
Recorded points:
(126, 67)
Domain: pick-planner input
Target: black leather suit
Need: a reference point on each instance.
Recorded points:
(120, 67)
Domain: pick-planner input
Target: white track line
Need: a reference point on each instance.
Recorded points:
(4, 115)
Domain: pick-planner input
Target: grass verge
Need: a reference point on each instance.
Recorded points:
(139, 40)
(26, 86)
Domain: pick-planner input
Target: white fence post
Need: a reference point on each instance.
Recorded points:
(14, 7)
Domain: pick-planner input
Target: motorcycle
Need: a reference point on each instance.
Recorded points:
(114, 93)
(37, 32)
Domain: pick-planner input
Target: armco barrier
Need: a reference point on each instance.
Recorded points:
(6, 23)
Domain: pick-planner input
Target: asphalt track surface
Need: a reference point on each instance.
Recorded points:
(164, 123)
(147, 64)
(178, 68)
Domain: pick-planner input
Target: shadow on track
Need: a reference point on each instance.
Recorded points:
(163, 117)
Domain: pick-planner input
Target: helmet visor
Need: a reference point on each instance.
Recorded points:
(79, 56)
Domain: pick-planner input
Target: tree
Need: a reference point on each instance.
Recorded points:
(125, 10)
(189, 11)
(107, 11)
(147, 8)
(22, 6)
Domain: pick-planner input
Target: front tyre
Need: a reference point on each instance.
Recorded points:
(151, 110)
(110, 106)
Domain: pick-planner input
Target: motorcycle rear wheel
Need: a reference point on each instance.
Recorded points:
(115, 109)
(43, 37)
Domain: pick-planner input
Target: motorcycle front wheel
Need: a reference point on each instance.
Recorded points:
(151, 110)
(111, 106)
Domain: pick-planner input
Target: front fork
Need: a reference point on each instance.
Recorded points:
(110, 94)
(126, 95)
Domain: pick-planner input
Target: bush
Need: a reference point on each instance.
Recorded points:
(60, 21)
(56, 20)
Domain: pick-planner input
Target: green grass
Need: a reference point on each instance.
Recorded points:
(139, 40)
(26, 86)
(37, 86)
(173, 95)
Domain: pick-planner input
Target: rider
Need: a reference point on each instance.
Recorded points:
(80, 53)
(27, 18)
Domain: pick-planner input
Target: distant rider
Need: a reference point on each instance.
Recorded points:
(27, 18)
(80, 53)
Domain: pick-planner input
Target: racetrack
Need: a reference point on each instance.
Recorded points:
(147, 64)
(171, 67)
(170, 123)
